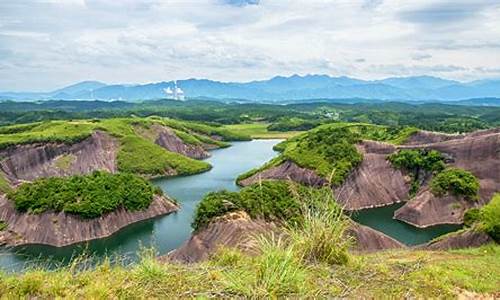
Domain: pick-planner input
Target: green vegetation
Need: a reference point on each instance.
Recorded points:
(3, 225)
(64, 162)
(277, 271)
(4, 184)
(293, 124)
(330, 149)
(261, 131)
(416, 162)
(270, 200)
(486, 218)
(428, 116)
(137, 153)
(457, 181)
(89, 196)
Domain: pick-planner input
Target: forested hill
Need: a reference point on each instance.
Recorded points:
(298, 116)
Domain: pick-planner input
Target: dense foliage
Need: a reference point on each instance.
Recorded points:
(487, 218)
(418, 163)
(330, 149)
(270, 200)
(428, 116)
(137, 155)
(138, 152)
(457, 181)
(88, 196)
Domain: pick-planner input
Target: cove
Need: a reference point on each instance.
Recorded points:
(381, 219)
(163, 233)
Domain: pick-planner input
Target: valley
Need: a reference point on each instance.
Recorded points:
(206, 186)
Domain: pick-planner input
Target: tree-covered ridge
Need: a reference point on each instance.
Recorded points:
(88, 196)
(330, 149)
(278, 201)
(486, 218)
(137, 153)
(427, 116)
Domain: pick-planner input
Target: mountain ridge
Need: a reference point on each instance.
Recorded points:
(278, 89)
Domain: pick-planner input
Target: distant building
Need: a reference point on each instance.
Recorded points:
(175, 93)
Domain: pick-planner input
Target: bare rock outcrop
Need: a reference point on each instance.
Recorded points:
(61, 229)
(31, 161)
(166, 138)
(428, 137)
(426, 210)
(375, 182)
(369, 240)
(463, 239)
(287, 170)
(231, 230)
(478, 153)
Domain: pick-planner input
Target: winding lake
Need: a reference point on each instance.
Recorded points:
(164, 233)
(169, 232)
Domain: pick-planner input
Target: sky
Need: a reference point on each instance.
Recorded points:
(45, 45)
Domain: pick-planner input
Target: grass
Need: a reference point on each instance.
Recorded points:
(4, 184)
(3, 225)
(138, 153)
(330, 149)
(276, 272)
(64, 162)
(260, 131)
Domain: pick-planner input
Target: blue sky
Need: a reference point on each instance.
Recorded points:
(48, 44)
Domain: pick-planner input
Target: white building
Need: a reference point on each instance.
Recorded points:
(176, 93)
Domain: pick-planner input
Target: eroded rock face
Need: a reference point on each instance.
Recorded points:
(288, 170)
(231, 230)
(375, 182)
(464, 239)
(29, 162)
(426, 210)
(167, 139)
(369, 240)
(478, 153)
(61, 229)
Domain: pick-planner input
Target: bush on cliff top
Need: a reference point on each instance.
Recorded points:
(487, 217)
(279, 201)
(457, 181)
(88, 196)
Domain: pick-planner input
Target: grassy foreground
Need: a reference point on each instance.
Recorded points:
(393, 274)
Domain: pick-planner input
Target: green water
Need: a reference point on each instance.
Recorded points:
(169, 232)
(381, 219)
(163, 233)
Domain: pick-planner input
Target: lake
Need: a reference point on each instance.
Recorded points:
(169, 232)
(163, 233)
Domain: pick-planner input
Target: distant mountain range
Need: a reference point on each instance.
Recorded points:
(278, 89)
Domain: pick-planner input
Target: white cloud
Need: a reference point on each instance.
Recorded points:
(47, 44)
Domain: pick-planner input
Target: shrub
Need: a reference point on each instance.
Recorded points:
(472, 216)
(456, 181)
(214, 204)
(490, 217)
(415, 160)
(88, 196)
(271, 200)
